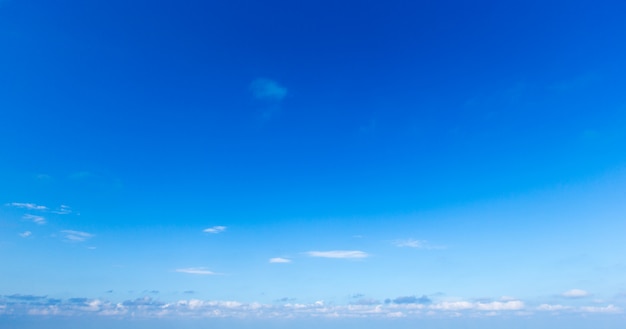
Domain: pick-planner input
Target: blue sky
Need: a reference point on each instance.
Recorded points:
(312, 162)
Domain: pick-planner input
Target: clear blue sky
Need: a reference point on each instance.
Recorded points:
(309, 162)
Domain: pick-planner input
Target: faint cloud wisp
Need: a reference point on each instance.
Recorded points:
(339, 254)
(215, 229)
(76, 236)
(35, 219)
(196, 271)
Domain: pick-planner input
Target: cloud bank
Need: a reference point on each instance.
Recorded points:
(149, 307)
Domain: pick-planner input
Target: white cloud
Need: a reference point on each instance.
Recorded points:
(552, 307)
(280, 260)
(26, 234)
(186, 308)
(501, 306)
(269, 90)
(215, 229)
(417, 244)
(410, 243)
(512, 305)
(344, 254)
(195, 270)
(30, 206)
(76, 236)
(575, 293)
(63, 210)
(34, 218)
(597, 309)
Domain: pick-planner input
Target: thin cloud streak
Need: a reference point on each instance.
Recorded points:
(76, 236)
(280, 260)
(196, 271)
(26, 234)
(339, 254)
(417, 244)
(63, 210)
(29, 206)
(215, 229)
(35, 219)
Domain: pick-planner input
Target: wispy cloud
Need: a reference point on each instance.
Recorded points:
(35, 219)
(417, 244)
(63, 210)
(342, 254)
(411, 300)
(81, 175)
(280, 260)
(26, 234)
(29, 206)
(268, 90)
(575, 293)
(76, 236)
(601, 309)
(215, 229)
(195, 270)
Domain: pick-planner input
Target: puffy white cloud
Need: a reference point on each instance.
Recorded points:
(575, 293)
(343, 254)
(215, 229)
(512, 305)
(280, 260)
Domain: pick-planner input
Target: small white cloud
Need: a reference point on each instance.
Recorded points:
(501, 306)
(30, 206)
(26, 234)
(343, 254)
(575, 293)
(215, 229)
(35, 219)
(280, 260)
(76, 236)
(268, 90)
(195, 270)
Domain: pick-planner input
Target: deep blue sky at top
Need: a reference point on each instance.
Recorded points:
(392, 106)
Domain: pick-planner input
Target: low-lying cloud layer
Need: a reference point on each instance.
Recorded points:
(400, 307)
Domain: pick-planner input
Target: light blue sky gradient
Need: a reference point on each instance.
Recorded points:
(312, 163)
